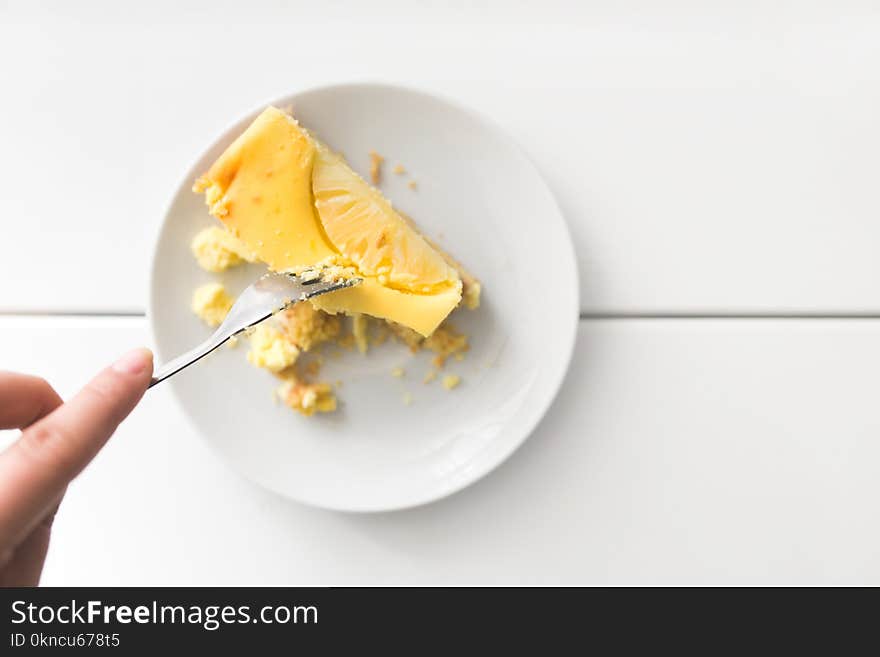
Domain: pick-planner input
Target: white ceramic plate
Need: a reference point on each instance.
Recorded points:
(479, 197)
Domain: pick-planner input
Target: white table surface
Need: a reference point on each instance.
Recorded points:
(709, 161)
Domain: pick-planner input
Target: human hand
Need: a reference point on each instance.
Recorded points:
(57, 441)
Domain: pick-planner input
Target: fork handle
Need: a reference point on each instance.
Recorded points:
(187, 358)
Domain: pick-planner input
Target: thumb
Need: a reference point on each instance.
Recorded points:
(36, 469)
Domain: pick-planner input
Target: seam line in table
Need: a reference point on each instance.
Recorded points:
(583, 315)
(731, 315)
(72, 313)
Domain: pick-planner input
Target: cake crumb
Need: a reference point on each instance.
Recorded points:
(360, 329)
(450, 381)
(232, 343)
(445, 341)
(217, 250)
(399, 170)
(398, 372)
(430, 375)
(412, 184)
(376, 161)
(380, 334)
(307, 327)
(211, 303)
(407, 398)
(270, 349)
(470, 294)
(307, 398)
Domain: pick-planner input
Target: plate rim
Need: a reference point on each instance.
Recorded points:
(556, 376)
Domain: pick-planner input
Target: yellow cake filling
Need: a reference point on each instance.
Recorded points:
(261, 189)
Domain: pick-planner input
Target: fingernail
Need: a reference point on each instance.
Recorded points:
(134, 362)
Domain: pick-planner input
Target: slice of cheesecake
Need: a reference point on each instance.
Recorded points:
(296, 204)
(287, 200)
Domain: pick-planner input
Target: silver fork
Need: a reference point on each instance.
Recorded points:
(269, 295)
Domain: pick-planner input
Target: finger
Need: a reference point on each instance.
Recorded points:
(25, 399)
(35, 470)
(25, 562)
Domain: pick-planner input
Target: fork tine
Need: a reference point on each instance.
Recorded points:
(327, 287)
